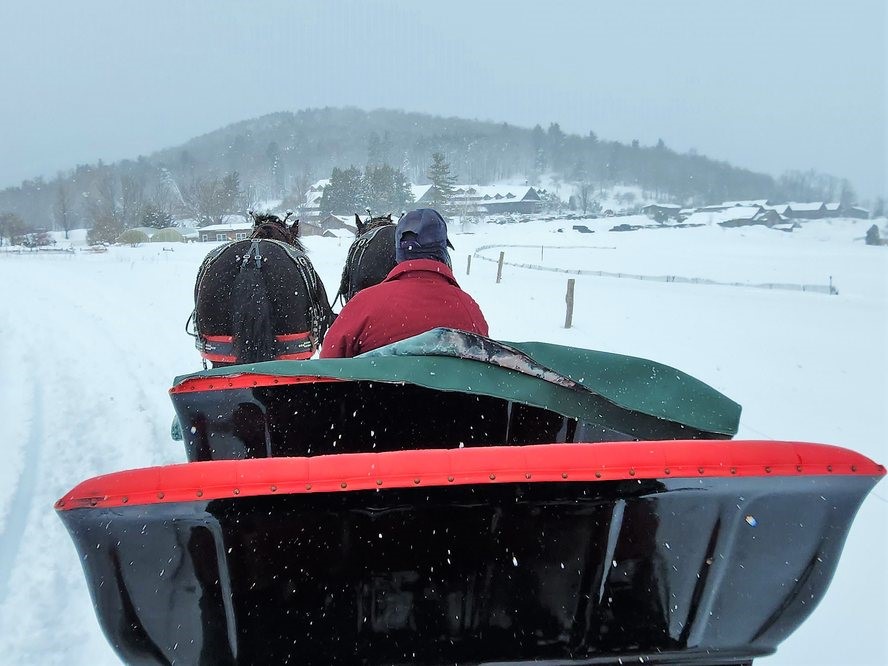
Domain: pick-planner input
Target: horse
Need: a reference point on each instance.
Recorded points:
(260, 298)
(370, 257)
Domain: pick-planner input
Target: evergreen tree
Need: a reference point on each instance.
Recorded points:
(555, 141)
(343, 194)
(276, 167)
(872, 236)
(538, 142)
(12, 228)
(230, 192)
(385, 190)
(442, 182)
(847, 196)
(155, 217)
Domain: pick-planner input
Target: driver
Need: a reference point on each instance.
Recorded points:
(419, 294)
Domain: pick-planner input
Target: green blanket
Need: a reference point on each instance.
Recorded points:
(566, 380)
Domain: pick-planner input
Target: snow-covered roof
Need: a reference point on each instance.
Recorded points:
(810, 206)
(756, 202)
(419, 191)
(663, 205)
(491, 192)
(345, 219)
(340, 233)
(243, 225)
(727, 215)
(780, 208)
(833, 206)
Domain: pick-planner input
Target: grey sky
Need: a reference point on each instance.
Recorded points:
(765, 84)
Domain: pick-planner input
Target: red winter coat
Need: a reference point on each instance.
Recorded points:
(415, 297)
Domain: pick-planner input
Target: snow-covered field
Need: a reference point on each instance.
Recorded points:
(90, 344)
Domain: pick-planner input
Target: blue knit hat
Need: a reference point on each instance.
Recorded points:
(422, 234)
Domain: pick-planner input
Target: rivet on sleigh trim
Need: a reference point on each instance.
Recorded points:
(124, 499)
(768, 470)
(631, 472)
(853, 468)
(829, 468)
(416, 481)
(236, 491)
(733, 470)
(61, 502)
(308, 486)
(93, 501)
(563, 475)
(527, 475)
(343, 485)
(798, 468)
(210, 386)
(274, 489)
(450, 479)
(200, 493)
(493, 477)
(700, 470)
(159, 495)
(597, 475)
(667, 471)
(378, 482)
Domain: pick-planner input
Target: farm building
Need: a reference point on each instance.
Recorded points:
(236, 228)
(481, 199)
(662, 212)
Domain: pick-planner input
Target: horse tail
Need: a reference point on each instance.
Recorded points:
(251, 325)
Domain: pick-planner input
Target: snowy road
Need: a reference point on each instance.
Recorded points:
(90, 344)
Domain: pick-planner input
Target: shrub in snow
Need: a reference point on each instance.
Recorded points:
(132, 237)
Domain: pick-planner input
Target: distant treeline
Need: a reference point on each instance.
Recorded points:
(280, 155)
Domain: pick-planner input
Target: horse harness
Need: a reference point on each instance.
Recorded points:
(290, 346)
(356, 257)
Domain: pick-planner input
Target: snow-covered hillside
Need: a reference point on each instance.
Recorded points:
(90, 344)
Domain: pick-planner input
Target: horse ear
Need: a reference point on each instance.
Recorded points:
(359, 223)
(294, 228)
(389, 217)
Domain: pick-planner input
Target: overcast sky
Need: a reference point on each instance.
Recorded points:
(766, 84)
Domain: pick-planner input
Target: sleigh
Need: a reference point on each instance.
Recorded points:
(450, 499)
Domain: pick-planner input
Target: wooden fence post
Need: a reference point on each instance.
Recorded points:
(569, 299)
(541, 252)
(469, 265)
(499, 267)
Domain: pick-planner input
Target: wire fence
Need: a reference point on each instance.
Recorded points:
(828, 289)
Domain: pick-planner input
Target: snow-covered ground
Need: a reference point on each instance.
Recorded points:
(90, 344)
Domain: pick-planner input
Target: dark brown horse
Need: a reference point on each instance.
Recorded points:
(370, 257)
(260, 299)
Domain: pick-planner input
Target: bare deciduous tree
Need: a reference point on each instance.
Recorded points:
(62, 212)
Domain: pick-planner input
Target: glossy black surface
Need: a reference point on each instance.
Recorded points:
(705, 571)
(348, 417)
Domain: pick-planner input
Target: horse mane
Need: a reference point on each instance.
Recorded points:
(372, 223)
(268, 225)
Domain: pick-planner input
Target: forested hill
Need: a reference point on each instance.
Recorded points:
(286, 147)
(282, 153)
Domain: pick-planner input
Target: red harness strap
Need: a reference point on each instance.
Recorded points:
(289, 347)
